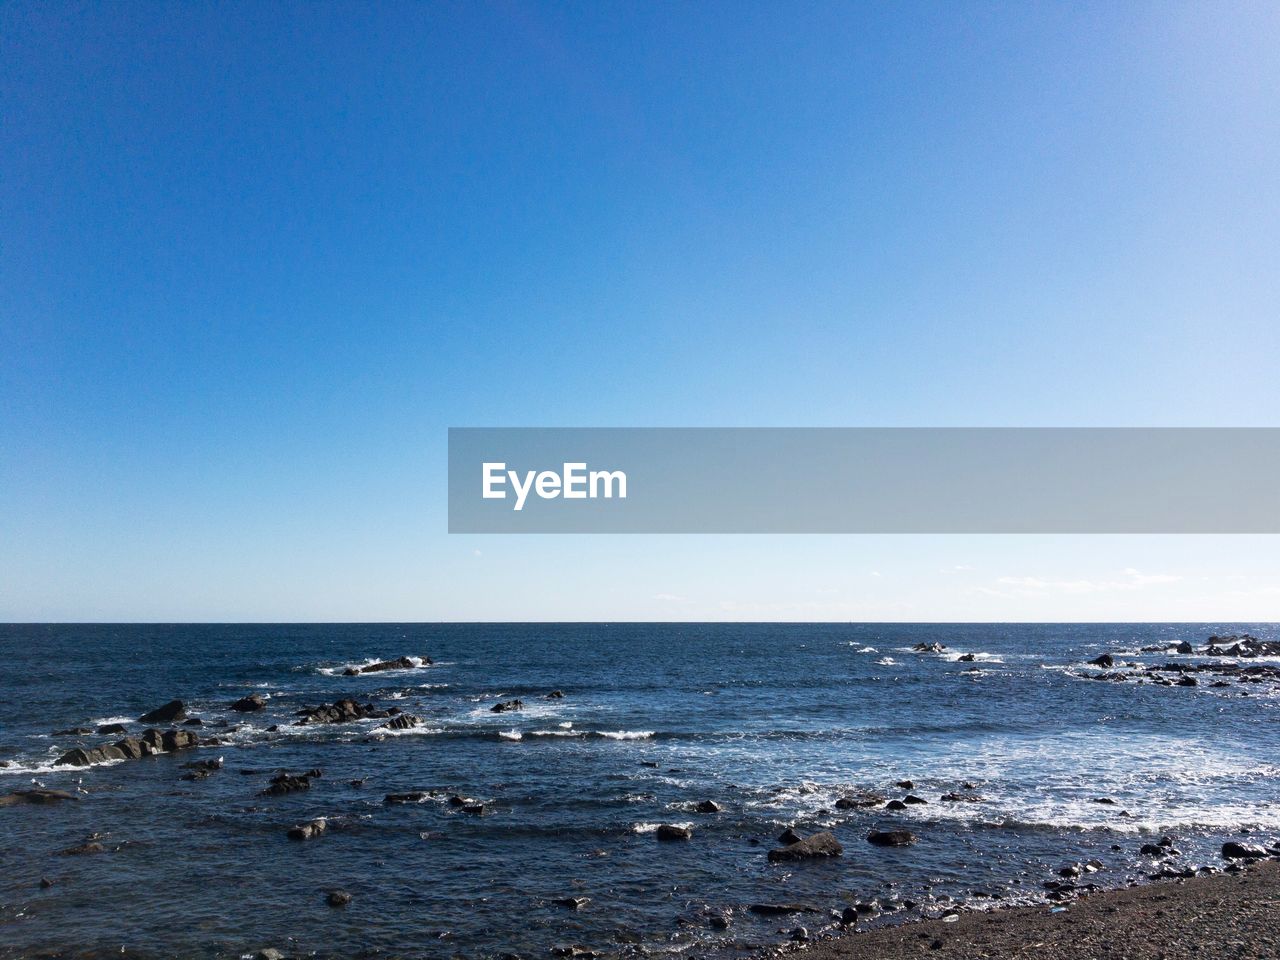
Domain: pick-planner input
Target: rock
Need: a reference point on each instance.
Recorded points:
(73, 732)
(283, 783)
(669, 831)
(720, 921)
(1104, 800)
(1154, 850)
(891, 838)
(36, 796)
(911, 799)
(573, 903)
(799, 935)
(250, 704)
(780, 909)
(171, 712)
(1231, 850)
(45, 883)
(1185, 647)
(458, 801)
(895, 805)
(270, 953)
(93, 846)
(193, 722)
(338, 898)
(708, 806)
(961, 798)
(789, 836)
(308, 831)
(108, 728)
(819, 845)
(849, 916)
(929, 647)
(507, 706)
(1188, 682)
(340, 711)
(405, 721)
(906, 784)
(473, 808)
(1106, 660)
(855, 801)
(555, 695)
(399, 663)
(80, 757)
(415, 797)
(966, 658)
(178, 740)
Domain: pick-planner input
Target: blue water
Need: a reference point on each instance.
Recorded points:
(774, 722)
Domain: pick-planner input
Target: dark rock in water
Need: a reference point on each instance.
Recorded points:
(789, 836)
(415, 797)
(891, 838)
(308, 831)
(1070, 871)
(855, 801)
(109, 728)
(1105, 800)
(573, 903)
(581, 953)
(1188, 682)
(1106, 660)
(73, 732)
(780, 909)
(93, 846)
(250, 704)
(911, 798)
(35, 796)
(1231, 850)
(507, 706)
(708, 806)
(80, 757)
(338, 898)
(283, 783)
(961, 798)
(906, 784)
(966, 658)
(1154, 850)
(340, 711)
(651, 764)
(458, 801)
(668, 831)
(135, 749)
(171, 712)
(45, 883)
(193, 722)
(1168, 873)
(405, 721)
(929, 647)
(473, 808)
(720, 921)
(819, 845)
(1185, 647)
(178, 740)
(399, 663)
(799, 935)
(849, 916)
(895, 805)
(555, 695)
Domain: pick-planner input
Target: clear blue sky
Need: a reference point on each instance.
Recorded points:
(256, 258)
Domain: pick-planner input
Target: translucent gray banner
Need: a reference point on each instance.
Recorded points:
(864, 480)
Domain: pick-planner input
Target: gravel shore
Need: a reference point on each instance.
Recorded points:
(1222, 915)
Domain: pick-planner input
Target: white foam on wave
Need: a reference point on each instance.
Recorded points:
(886, 661)
(103, 721)
(625, 734)
(510, 735)
(651, 827)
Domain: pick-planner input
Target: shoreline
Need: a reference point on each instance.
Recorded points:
(1216, 915)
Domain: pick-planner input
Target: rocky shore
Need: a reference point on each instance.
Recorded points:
(1225, 915)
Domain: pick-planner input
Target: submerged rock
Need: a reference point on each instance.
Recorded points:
(708, 806)
(781, 909)
(669, 831)
(891, 838)
(110, 728)
(573, 903)
(416, 796)
(283, 783)
(171, 712)
(399, 663)
(308, 831)
(962, 798)
(507, 706)
(93, 846)
(338, 898)
(250, 704)
(555, 695)
(35, 797)
(853, 801)
(819, 845)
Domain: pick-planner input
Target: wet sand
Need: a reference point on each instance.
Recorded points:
(1221, 915)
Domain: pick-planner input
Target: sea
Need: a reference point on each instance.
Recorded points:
(772, 722)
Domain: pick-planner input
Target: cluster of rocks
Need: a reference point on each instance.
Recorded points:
(1242, 645)
(130, 748)
(283, 783)
(345, 710)
(506, 706)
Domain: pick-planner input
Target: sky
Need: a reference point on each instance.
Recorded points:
(255, 259)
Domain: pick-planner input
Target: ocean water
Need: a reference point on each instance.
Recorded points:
(774, 722)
